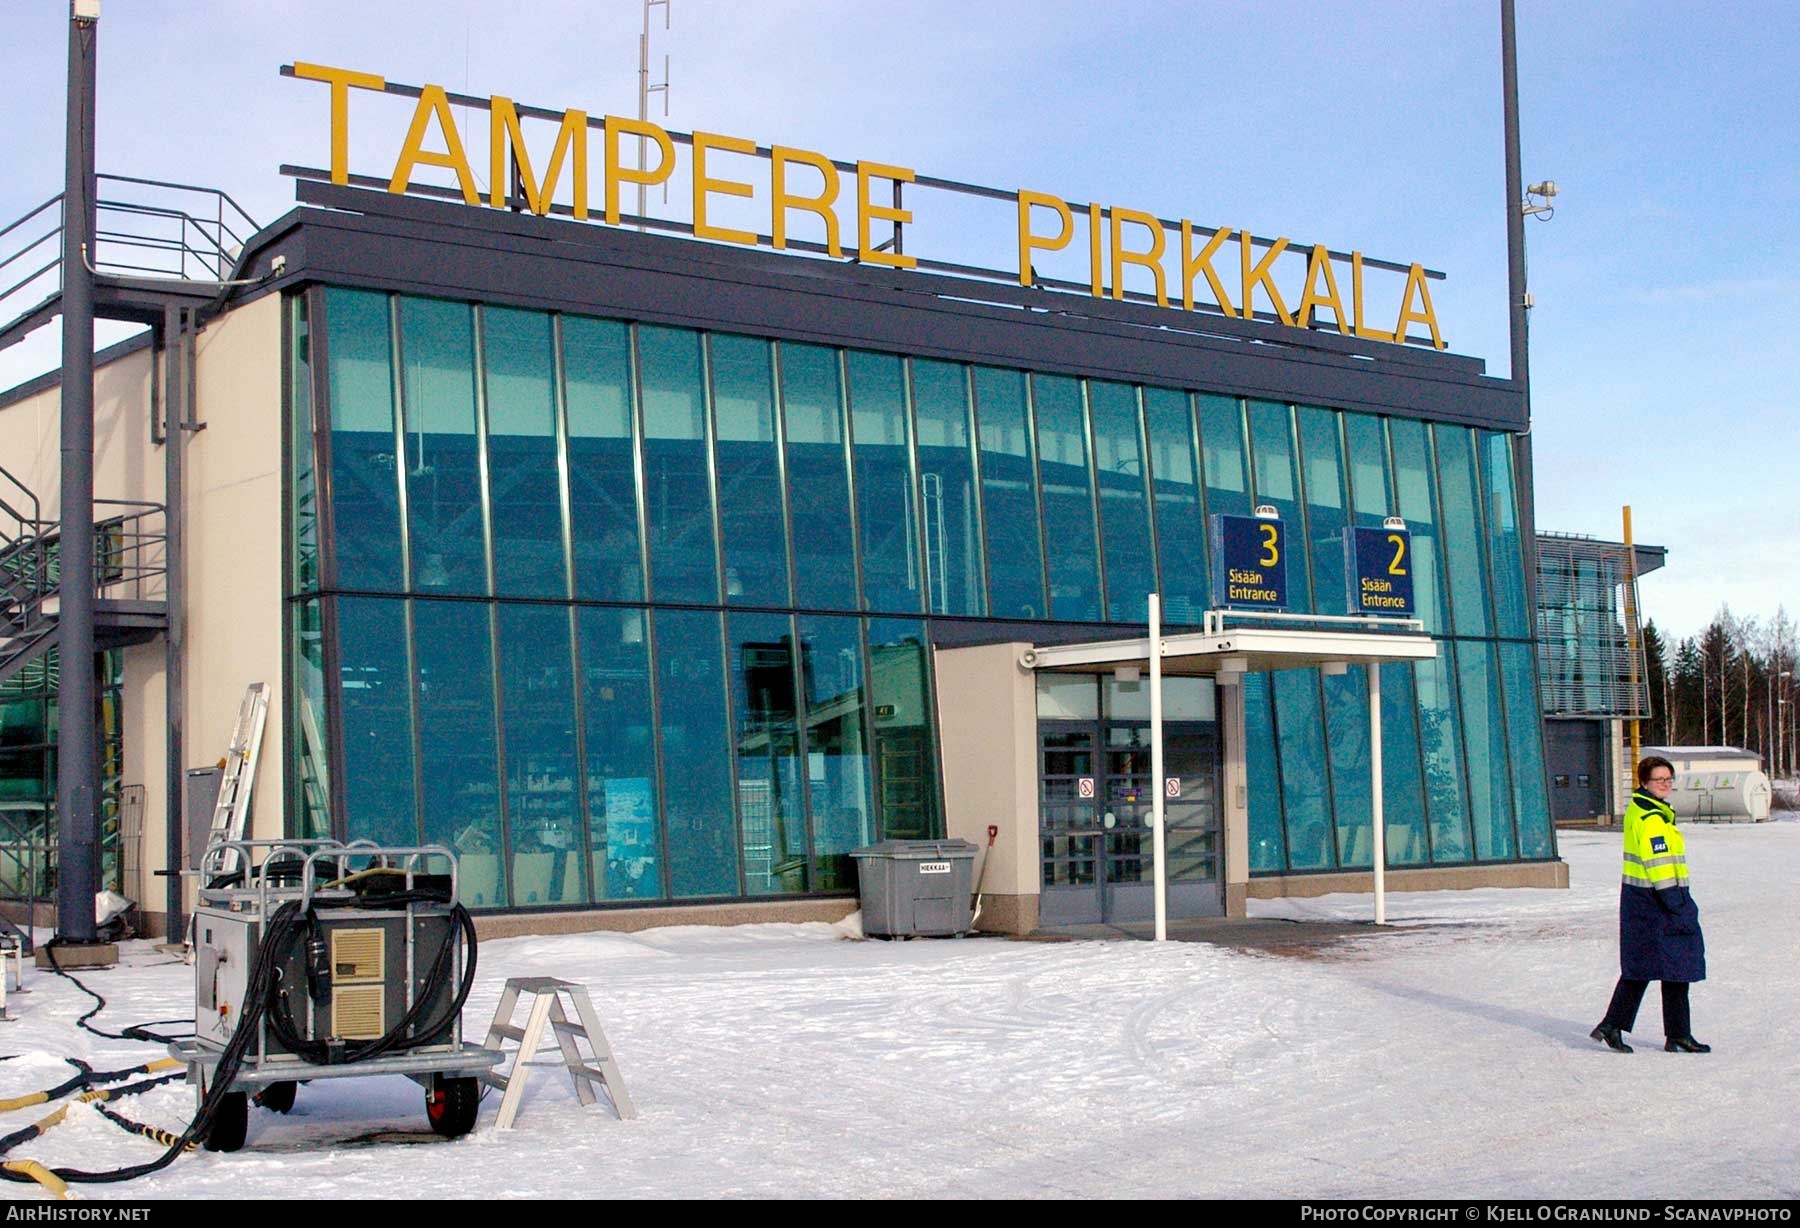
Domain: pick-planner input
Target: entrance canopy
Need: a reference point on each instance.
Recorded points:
(1237, 650)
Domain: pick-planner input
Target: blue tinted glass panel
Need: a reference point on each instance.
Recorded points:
(1352, 792)
(1180, 524)
(947, 497)
(1124, 510)
(442, 460)
(837, 747)
(818, 478)
(1484, 733)
(524, 481)
(377, 719)
(750, 516)
(625, 841)
(1327, 517)
(303, 512)
(1503, 537)
(905, 741)
(365, 482)
(1402, 779)
(1465, 550)
(1365, 439)
(310, 814)
(677, 471)
(1306, 799)
(456, 739)
(884, 496)
(771, 798)
(1068, 494)
(696, 747)
(1268, 851)
(1278, 483)
(1009, 495)
(1441, 739)
(1224, 462)
(1526, 739)
(1414, 486)
(603, 511)
(543, 816)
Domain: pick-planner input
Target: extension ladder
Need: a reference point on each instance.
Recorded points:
(233, 808)
(547, 1011)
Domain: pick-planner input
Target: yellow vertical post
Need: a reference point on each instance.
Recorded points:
(1633, 638)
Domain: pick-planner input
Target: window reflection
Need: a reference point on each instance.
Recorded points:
(677, 477)
(365, 477)
(818, 477)
(771, 802)
(457, 766)
(1068, 495)
(837, 746)
(886, 519)
(690, 696)
(624, 839)
(1180, 525)
(1009, 497)
(441, 458)
(1124, 515)
(905, 742)
(376, 712)
(543, 817)
(525, 482)
(750, 514)
(947, 512)
(603, 505)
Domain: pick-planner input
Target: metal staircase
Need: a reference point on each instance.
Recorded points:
(129, 576)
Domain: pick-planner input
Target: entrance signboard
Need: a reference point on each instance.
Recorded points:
(1249, 563)
(1378, 575)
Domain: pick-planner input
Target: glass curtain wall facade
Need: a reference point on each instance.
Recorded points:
(628, 612)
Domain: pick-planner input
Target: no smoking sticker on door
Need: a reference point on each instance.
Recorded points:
(1084, 786)
(1171, 786)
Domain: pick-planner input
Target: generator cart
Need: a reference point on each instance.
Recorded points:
(318, 960)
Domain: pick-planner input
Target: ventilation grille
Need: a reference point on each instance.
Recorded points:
(358, 956)
(357, 1012)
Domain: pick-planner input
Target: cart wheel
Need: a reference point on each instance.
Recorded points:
(278, 1097)
(452, 1105)
(230, 1124)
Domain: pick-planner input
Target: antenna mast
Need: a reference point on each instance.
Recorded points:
(645, 89)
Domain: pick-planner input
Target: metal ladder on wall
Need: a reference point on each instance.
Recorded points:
(233, 808)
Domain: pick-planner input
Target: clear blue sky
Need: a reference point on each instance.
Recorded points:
(1667, 286)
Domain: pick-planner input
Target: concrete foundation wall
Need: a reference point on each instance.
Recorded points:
(1434, 878)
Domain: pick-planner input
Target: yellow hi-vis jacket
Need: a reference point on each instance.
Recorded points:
(1659, 924)
(1655, 853)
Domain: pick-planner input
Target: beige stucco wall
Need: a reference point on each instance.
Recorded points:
(987, 732)
(233, 542)
(233, 495)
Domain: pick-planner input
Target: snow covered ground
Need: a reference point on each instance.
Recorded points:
(1446, 1058)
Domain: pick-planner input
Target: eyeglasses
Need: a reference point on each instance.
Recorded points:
(1662, 780)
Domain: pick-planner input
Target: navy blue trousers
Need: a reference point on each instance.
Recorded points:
(1629, 995)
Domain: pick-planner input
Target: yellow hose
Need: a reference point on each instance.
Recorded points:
(38, 1173)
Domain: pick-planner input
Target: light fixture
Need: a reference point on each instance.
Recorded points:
(1125, 673)
(1334, 669)
(1266, 511)
(1394, 522)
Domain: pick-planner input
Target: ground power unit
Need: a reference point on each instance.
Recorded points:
(314, 959)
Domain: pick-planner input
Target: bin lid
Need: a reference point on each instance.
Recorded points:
(916, 850)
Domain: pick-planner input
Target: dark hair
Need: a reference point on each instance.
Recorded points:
(1649, 764)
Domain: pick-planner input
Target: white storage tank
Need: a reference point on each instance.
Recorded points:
(1720, 784)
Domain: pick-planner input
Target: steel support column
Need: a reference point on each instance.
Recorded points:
(77, 760)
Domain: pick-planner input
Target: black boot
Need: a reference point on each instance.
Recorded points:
(1611, 1038)
(1685, 1044)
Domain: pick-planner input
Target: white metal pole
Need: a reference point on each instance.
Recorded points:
(1375, 778)
(1157, 786)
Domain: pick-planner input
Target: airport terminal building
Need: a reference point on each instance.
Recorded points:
(653, 573)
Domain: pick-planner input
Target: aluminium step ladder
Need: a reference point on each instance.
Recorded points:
(548, 993)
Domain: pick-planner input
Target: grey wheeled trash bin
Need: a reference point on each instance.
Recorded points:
(916, 888)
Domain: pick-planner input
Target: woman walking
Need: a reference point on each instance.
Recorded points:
(1659, 924)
